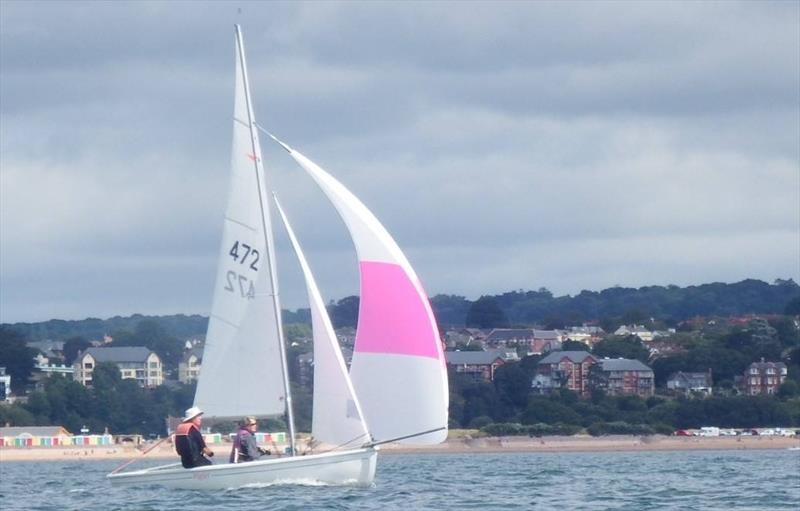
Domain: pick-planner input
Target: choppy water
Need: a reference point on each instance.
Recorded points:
(700, 480)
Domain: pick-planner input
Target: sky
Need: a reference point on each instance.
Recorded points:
(505, 145)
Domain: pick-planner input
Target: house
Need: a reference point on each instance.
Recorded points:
(638, 330)
(52, 349)
(545, 341)
(189, 366)
(690, 383)
(465, 337)
(764, 377)
(588, 335)
(477, 365)
(503, 337)
(665, 348)
(623, 377)
(5, 385)
(134, 362)
(537, 341)
(305, 368)
(44, 370)
(568, 369)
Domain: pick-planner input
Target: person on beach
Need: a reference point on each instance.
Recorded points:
(189, 441)
(244, 444)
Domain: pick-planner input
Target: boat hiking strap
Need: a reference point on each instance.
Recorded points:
(142, 455)
(380, 442)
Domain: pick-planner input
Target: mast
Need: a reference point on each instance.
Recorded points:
(263, 199)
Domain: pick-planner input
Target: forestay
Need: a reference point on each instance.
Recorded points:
(242, 370)
(336, 415)
(398, 368)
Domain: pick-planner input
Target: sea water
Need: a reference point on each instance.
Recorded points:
(681, 480)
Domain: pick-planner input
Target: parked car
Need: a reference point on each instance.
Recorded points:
(682, 432)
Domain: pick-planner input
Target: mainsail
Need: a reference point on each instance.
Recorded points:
(398, 368)
(336, 415)
(242, 372)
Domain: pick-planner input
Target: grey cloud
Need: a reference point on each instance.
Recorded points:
(505, 145)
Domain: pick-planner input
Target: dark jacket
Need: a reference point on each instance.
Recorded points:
(190, 444)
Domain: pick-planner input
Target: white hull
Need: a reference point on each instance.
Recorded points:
(355, 467)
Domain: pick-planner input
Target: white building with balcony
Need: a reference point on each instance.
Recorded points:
(134, 362)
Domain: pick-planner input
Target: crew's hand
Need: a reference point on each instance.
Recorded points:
(264, 452)
(208, 452)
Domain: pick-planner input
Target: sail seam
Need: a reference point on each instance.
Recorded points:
(253, 229)
(219, 318)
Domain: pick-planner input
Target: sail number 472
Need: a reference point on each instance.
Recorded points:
(248, 251)
(242, 253)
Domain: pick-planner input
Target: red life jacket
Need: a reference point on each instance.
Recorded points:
(184, 428)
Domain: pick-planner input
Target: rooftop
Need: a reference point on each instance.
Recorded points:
(121, 354)
(473, 357)
(622, 364)
(554, 357)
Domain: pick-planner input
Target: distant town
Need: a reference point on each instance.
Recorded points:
(630, 373)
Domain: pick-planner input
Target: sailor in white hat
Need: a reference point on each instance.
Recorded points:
(189, 441)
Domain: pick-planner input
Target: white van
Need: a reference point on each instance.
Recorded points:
(709, 431)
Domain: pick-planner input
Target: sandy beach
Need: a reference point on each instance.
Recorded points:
(453, 445)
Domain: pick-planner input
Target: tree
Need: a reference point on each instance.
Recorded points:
(625, 347)
(486, 313)
(450, 310)
(793, 307)
(570, 345)
(513, 384)
(72, 347)
(16, 357)
(150, 334)
(345, 312)
(788, 389)
(548, 411)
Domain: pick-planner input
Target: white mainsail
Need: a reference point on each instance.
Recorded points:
(336, 415)
(398, 369)
(242, 371)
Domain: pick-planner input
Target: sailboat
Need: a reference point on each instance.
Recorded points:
(396, 387)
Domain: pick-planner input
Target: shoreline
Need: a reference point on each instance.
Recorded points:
(508, 444)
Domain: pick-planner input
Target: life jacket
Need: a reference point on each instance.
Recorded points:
(237, 446)
(186, 447)
(184, 428)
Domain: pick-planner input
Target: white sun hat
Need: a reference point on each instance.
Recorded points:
(191, 413)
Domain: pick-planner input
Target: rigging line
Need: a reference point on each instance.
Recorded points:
(381, 442)
(344, 444)
(273, 137)
(142, 456)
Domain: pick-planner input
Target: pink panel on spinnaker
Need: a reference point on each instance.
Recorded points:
(392, 316)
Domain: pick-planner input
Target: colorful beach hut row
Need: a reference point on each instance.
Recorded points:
(265, 438)
(26, 440)
(212, 438)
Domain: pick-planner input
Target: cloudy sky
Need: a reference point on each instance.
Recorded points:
(506, 146)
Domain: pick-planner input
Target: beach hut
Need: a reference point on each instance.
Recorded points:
(32, 436)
